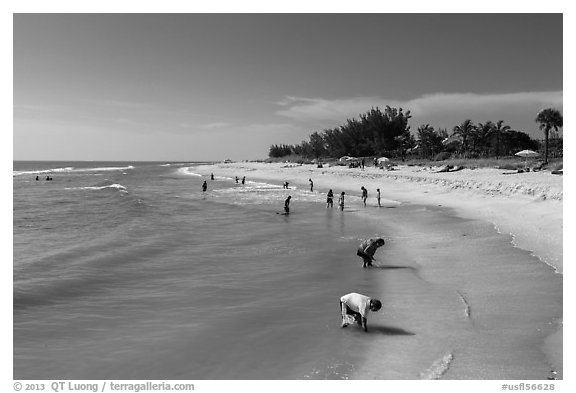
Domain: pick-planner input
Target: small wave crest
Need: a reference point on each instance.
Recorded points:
(188, 171)
(439, 367)
(119, 187)
(41, 171)
(70, 169)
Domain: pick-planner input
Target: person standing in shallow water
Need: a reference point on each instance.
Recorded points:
(330, 199)
(243, 179)
(204, 186)
(287, 205)
(311, 185)
(341, 201)
(378, 196)
(211, 176)
(364, 195)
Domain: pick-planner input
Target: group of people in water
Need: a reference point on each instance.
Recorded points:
(354, 306)
(330, 198)
(48, 178)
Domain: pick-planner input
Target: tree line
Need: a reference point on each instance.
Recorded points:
(387, 133)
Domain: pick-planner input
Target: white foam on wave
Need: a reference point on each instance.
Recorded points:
(70, 169)
(439, 367)
(119, 187)
(41, 171)
(188, 172)
(100, 169)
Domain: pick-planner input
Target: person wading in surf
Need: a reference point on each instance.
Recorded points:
(287, 205)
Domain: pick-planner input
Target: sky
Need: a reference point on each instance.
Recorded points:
(190, 87)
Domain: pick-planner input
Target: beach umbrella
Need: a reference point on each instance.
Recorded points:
(382, 160)
(527, 154)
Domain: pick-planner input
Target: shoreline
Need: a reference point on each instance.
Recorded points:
(526, 206)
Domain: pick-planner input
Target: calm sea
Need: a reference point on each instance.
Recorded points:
(130, 271)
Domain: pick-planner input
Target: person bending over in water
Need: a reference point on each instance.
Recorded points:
(367, 249)
(287, 205)
(358, 306)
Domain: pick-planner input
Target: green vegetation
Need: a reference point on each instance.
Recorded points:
(387, 133)
(549, 119)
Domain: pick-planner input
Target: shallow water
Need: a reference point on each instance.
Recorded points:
(129, 270)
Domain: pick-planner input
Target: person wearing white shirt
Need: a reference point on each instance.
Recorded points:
(358, 306)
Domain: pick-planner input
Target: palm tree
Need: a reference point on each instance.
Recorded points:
(481, 136)
(465, 131)
(549, 118)
(499, 129)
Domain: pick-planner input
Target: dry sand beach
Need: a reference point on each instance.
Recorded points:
(522, 208)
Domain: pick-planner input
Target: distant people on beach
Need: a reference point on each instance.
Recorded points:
(243, 179)
(287, 205)
(378, 196)
(48, 178)
(286, 185)
(341, 201)
(211, 176)
(364, 195)
(330, 199)
(311, 185)
(363, 163)
(37, 178)
(204, 186)
(358, 306)
(368, 248)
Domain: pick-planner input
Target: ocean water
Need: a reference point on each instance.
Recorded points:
(130, 271)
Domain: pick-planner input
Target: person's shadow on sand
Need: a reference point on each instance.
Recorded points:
(391, 267)
(385, 330)
(389, 331)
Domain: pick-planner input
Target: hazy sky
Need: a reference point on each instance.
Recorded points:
(214, 86)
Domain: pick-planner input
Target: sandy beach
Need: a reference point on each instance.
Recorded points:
(525, 206)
